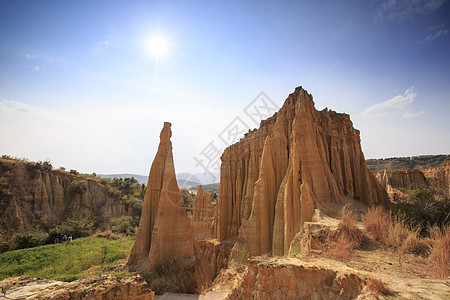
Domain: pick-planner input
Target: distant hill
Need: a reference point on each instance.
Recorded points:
(405, 163)
(185, 180)
(210, 188)
(141, 178)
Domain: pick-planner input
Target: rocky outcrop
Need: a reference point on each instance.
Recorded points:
(402, 179)
(216, 253)
(164, 229)
(101, 287)
(293, 279)
(274, 178)
(437, 179)
(31, 197)
(203, 217)
(165, 233)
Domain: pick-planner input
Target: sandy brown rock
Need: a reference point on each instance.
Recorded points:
(203, 217)
(165, 233)
(34, 197)
(164, 230)
(437, 179)
(101, 287)
(298, 160)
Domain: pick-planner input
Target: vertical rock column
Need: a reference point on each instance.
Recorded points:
(164, 229)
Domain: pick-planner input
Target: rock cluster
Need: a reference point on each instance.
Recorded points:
(274, 178)
(35, 197)
(101, 287)
(437, 179)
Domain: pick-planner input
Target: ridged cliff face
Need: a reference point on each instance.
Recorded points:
(435, 178)
(274, 178)
(29, 197)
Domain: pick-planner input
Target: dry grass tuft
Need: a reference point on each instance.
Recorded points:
(346, 238)
(416, 245)
(440, 252)
(390, 230)
(378, 288)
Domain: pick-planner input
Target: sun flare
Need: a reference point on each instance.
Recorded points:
(158, 46)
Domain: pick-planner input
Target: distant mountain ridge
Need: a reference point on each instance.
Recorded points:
(185, 180)
(407, 163)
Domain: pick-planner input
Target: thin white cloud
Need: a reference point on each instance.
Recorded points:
(398, 103)
(412, 114)
(100, 45)
(436, 34)
(400, 10)
(30, 56)
(38, 62)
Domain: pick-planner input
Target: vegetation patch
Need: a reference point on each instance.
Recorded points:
(64, 262)
(345, 238)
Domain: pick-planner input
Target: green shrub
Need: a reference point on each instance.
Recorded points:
(423, 207)
(125, 224)
(77, 187)
(76, 227)
(29, 239)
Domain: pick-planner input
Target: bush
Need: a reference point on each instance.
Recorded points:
(76, 227)
(440, 253)
(124, 224)
(29, 239)
(77, 187)
(346, 238)
(386, 228)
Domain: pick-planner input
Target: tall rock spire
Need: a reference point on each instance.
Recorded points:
(164, 229)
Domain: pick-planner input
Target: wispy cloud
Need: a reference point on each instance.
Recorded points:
(398, 103)
(412, 114)
(401, 10)
(436, 34)
(100, 45)
(30, 56)
(38, 62)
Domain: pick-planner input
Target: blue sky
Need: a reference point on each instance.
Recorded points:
(78, 85)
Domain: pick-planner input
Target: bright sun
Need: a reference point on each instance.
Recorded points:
(158, 46)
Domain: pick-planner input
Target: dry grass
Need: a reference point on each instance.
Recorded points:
(390, 230)
(378, 288)
(440, 252)
(346, 238)
(394, 232)
(416, 245)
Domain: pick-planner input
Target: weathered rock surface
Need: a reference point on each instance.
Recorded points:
(274, 178)
(101, 287)
(165, 233)
(203, 217)
(292, 279)
(30, 197)
(216, 253)
(437, 179)
(164, 229)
